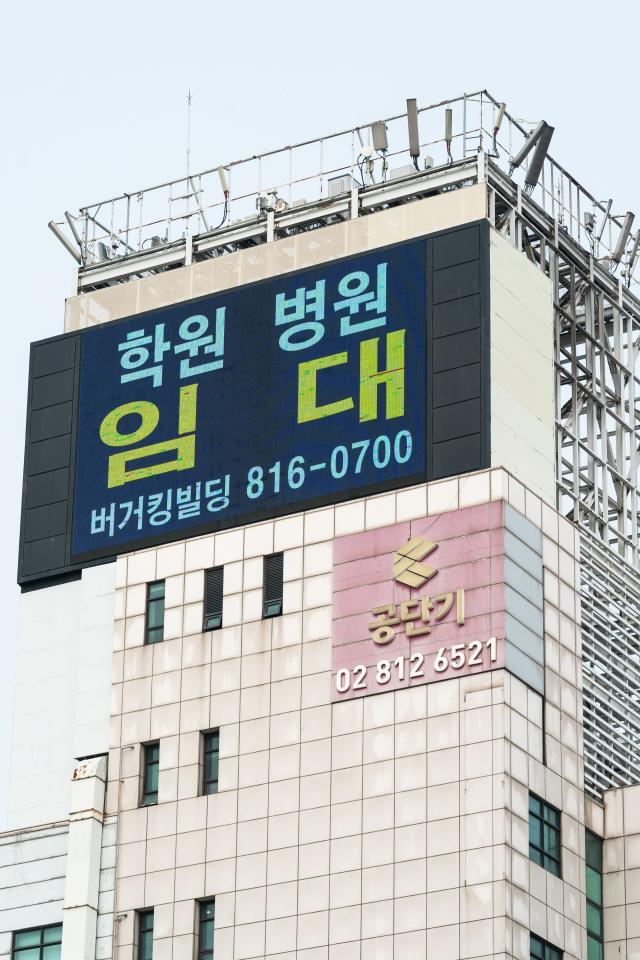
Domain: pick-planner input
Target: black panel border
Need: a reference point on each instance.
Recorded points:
(483, 228)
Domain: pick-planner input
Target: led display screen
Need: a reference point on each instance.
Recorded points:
(255, 402)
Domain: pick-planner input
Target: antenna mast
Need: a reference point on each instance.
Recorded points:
(189, 99)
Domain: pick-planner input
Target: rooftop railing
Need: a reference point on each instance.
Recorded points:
(299, 175)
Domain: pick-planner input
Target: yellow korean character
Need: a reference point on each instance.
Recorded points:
(415, 613)
(383, 631)
(184, 444)
(446, 601)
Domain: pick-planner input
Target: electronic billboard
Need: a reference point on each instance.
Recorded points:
(313, 387)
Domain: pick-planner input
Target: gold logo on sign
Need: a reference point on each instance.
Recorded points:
(407, 565)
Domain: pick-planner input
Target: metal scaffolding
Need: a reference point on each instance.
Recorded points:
(597, 331)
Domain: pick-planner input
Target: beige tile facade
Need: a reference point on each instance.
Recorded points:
(391, 826)
(622, 873)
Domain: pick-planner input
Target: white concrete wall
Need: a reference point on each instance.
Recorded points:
(32, 867)
(63, 685)
(106, 890)
(81, 893)
(522, 384)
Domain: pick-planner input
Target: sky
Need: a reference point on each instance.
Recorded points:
(93, 104)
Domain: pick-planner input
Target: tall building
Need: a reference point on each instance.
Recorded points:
(329, 637)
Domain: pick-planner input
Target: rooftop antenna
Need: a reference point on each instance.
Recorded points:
(66, 243)
(414, 136)
(539, 138)
(189, 99)
(537, 161)
(619, 248)
(448, 133)
(632, 258)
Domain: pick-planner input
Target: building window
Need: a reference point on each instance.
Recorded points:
(213, 586)
(145, 935)
(155, 612)
(210, 761)
(544, 834)
(541, 950)
(272, 595)
(151, 760)
(41, 943)
(206, 927)
(595, 936)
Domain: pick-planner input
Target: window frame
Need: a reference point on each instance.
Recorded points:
(204, 783)
(200, 953)
(272, 605)
(549, 952)
(16, 951)
(206, 613)
(592, 935)
(140, 914)
(148, 629)
(149, 798)
(542, 854)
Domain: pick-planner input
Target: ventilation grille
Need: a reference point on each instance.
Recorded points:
(611, 667)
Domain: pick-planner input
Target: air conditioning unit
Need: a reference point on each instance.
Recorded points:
(397, 172)
(339, 185)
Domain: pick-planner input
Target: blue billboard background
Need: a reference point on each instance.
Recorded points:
(255, 402)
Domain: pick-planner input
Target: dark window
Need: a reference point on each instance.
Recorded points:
(272, 596)
(595, 935)
(151, 760)
(155, 612)
(541, 950)
(213, 584)
(41, 943)
(145, 935)
(206, 928)
(210, 761)
(544, 834)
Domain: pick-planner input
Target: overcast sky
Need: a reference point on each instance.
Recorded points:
(94, 104)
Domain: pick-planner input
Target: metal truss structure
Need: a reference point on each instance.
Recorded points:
(597, 335)
(611, 668)
(559, 226)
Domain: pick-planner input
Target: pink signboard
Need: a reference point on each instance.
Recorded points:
(418, 602)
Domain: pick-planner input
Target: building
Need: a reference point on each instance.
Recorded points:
(348, 688)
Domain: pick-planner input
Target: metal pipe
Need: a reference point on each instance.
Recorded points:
(449, 114)
(107, 230)
(633, 255)
(66, 243)
(196, 194)
(604, 219)
(71, 221)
